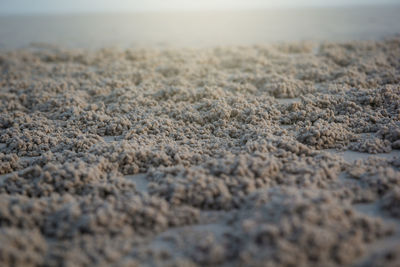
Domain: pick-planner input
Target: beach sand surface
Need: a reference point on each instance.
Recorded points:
(284, 153)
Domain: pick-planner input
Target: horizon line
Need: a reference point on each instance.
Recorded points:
(194, 10)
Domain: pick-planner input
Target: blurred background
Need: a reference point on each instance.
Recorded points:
(90, 6)
(165, 23)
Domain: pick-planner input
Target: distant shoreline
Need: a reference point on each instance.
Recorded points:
(200, 29)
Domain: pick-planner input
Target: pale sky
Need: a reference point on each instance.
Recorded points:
(73, 6)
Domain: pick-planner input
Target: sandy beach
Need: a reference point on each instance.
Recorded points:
(279, 152)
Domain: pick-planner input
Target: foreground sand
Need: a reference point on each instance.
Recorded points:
(235, 156)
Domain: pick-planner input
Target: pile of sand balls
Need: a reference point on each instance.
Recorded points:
(192, 157)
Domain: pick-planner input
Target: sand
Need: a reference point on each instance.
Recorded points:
(268, 155)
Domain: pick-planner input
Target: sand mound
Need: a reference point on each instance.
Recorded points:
(235, 156)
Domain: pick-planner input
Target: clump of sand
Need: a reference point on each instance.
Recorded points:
(192, 157)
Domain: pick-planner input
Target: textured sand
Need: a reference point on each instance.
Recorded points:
(280, 155)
